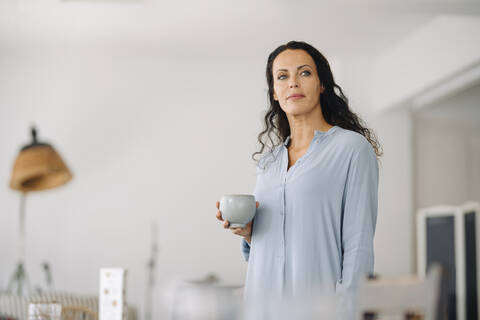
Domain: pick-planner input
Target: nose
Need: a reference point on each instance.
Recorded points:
(293, 82)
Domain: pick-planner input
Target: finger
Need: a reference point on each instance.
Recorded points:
(217, 204)
(257, 204)
(241, 230)
(226, 224)
(219, 216)
(237, 231)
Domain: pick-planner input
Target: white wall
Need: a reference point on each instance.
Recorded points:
(443, 49)
(394, 235)
(447, 135)
(148, 139)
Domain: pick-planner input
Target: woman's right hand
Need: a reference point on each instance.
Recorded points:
(245, 232)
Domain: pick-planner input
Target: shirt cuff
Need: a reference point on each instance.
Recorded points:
(245, 249)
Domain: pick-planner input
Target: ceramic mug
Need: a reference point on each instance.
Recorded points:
(238, 209)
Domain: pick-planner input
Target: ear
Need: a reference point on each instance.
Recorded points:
(322, 88)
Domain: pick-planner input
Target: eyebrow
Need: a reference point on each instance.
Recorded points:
(298, 68)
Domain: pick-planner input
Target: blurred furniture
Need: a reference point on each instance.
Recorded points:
(78, 313)
(44, 310)
(151, 272)
(405, 297)
(17, 306)
(449, 235)
(37, 167)
(204, 298)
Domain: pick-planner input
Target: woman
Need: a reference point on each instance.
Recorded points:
(316, 189)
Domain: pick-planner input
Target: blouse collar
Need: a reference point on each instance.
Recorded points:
(317, 133)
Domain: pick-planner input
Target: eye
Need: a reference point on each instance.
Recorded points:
(281, 77)
(305, 73)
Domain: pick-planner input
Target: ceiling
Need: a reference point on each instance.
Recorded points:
(462, 107)
(214, 28)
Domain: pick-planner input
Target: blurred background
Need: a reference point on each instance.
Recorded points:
(155, 107)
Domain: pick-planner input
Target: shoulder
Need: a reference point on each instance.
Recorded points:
(357, 152)
(352, 142)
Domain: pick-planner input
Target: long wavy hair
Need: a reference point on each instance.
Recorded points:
(333, 102)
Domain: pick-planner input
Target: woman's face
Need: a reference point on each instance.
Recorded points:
(296, 85)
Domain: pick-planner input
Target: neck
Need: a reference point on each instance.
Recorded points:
(302, 127)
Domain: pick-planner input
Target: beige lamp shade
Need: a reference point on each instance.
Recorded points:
(38, 167)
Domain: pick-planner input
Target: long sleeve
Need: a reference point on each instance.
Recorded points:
(359, 215)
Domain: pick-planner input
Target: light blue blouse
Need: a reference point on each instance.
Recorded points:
(315, 224)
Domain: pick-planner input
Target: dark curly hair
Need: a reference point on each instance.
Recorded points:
(334, 104)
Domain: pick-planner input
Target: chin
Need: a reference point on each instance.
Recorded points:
(296, 110)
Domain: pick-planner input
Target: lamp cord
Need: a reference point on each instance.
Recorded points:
(19, 277)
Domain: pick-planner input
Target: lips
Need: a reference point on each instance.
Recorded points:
(295, 96)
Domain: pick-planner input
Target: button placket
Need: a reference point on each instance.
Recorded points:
(281, 255)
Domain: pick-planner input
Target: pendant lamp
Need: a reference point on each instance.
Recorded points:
(37, 167)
